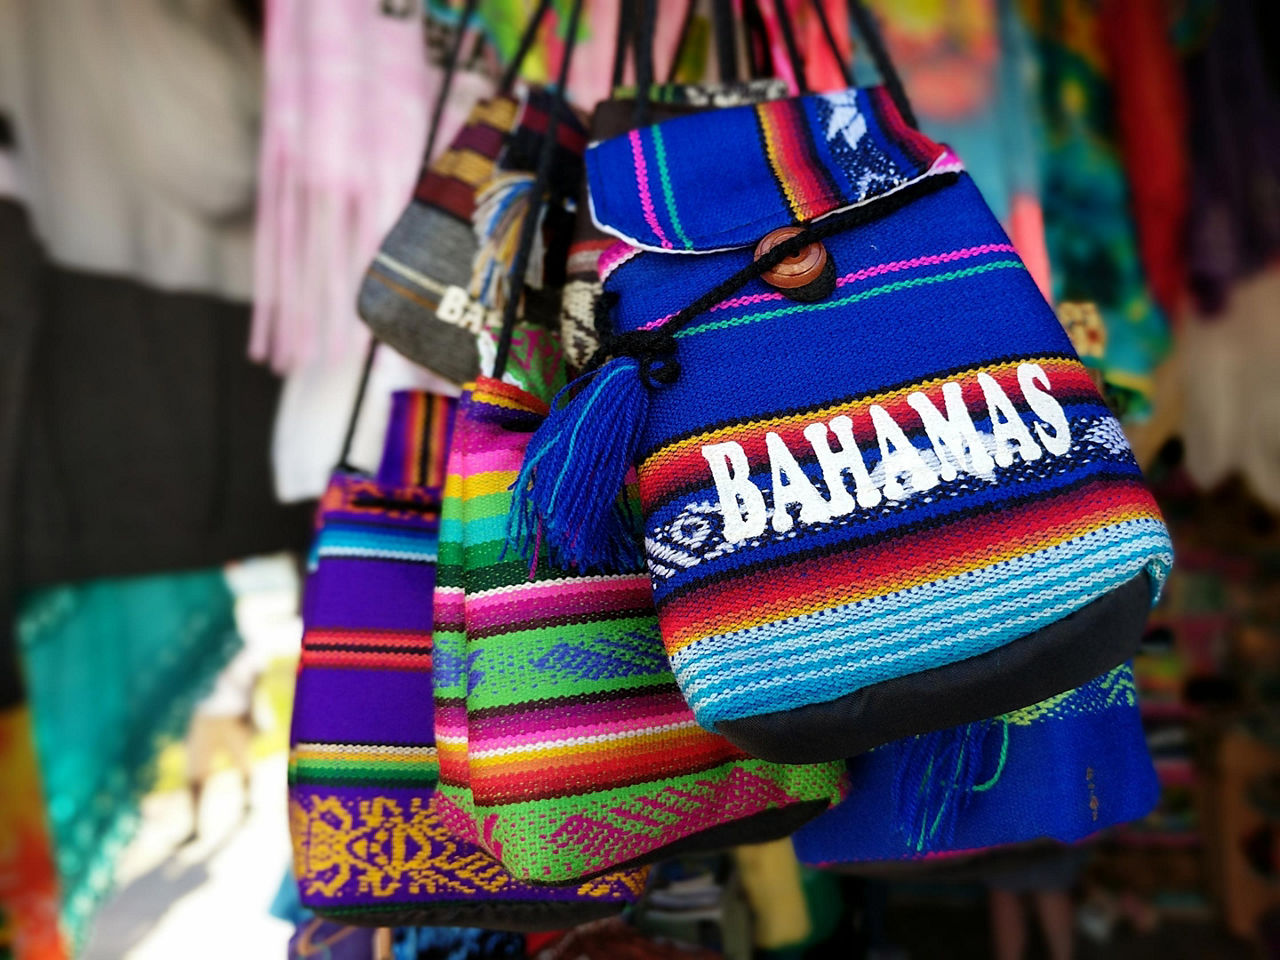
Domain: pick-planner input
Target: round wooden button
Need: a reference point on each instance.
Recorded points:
(795, 271)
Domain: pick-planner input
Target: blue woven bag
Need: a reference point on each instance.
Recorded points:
(881, 495)
(1059, 770)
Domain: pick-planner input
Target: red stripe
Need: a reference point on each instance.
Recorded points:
(414, 662)
(777, 592)
(408, 639)
(530, 781)
(448, 194)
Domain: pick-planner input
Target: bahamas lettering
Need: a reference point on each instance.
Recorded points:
(956, 446)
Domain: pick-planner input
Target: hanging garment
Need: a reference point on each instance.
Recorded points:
(30, 903)
(114, 669)
(1234, 113)
(1062, 770)
(1151, 122)
(556, 703)
(29, 893)
(1089, 230)
(1231, 396)
(370, 845)
(343, 128)
(137, 131)
(143, 425)
(819, 595)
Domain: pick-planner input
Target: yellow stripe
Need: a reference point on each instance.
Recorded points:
(473, 169)
(771, 147)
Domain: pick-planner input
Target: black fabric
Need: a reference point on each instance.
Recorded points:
(148, 435)
(510, 916)
(20, 281)
(1059, 657)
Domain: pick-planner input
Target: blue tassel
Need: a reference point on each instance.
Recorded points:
(569, 496)
(937, 774)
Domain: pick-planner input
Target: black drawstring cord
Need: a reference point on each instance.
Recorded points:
(655, 349)
(870, 33)
(537, 200)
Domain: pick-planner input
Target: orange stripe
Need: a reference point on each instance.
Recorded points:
(922, 558)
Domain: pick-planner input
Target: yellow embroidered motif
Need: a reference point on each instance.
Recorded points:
(381, 849)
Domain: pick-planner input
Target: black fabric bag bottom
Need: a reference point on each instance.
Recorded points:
(1059, 657)
(515, 916)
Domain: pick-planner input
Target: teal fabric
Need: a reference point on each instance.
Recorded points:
(113, 670)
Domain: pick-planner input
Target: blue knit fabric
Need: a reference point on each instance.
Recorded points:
(765, 608)
(1073, 765)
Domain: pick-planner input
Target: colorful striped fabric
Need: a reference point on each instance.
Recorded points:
(564, 741)
(370, 842)
(1058, 770)
(907, 474)
(791, 160)
(450, 182)
(418, 436)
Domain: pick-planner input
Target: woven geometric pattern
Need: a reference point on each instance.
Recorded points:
(369, 842)
(907, 473)
(564, 740)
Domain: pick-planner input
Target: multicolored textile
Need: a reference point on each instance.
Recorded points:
(906, 474)
(1059, 770)
(429, 251)
(370, 845)
(1088, 226)
(443, 268)
(114, 669)
(611, 118)
(566, 748)
(419, 432)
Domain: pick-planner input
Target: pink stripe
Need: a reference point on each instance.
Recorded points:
(614, 257)
(541, 600)
(865, 274)
(646, 198)
(562, 721)
(482, 741)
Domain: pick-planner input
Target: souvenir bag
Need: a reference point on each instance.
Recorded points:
(1059, 770)
(370, 847)
(578, 751)
(417, 295)
(880, 494)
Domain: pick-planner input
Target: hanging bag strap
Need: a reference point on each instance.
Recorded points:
(870, 33)
(726, 39)
(537, 199)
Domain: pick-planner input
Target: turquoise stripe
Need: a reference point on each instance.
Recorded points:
(731, 322)
(1031, 575)
(660, 152)
(338, 542)
(755, 675)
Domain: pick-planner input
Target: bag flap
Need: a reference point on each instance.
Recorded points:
(719, 180)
